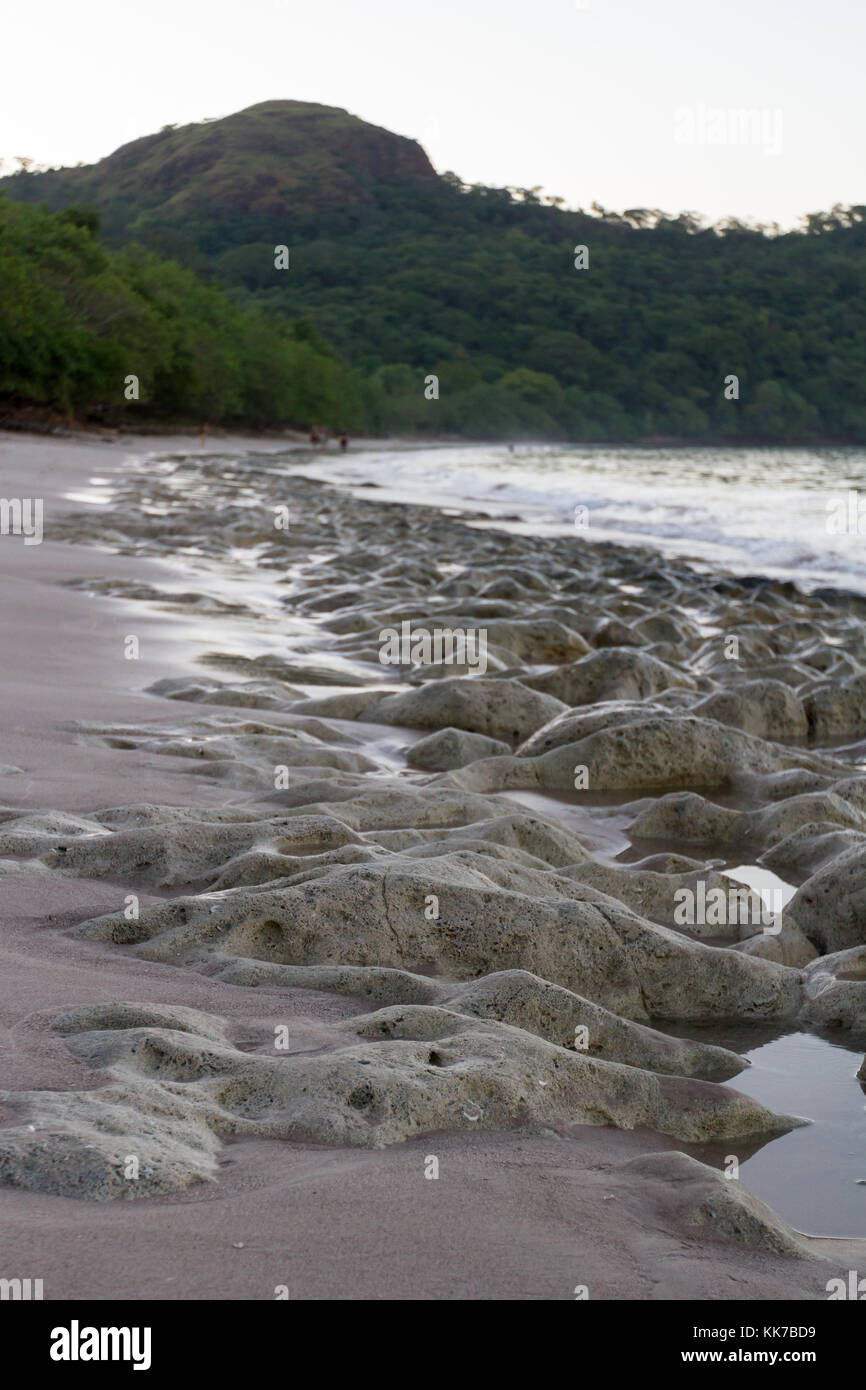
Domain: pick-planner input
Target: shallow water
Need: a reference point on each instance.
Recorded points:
(779, 512)
(809, 1176)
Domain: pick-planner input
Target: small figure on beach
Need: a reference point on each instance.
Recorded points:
(344, 440)
(202, 434)
(314, 435)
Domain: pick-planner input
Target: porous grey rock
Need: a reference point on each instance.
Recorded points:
(502, 709)
(526, 1001)
(196, 852)
(489, 915)
(35, 833)
(536, 640)
(613, 632)
(240, 694)
(687, 817)
(574, 725)
(785, 944)
(809, 848)
(174, 1093)
(830, 907)
(663, 750)
(767, 709)
(837, 708)
(614, 673)
(835, 990)
(449, 748)
(660, 897)
(852, 790)
(702, 1197)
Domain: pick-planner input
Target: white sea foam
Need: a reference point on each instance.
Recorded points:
(758, 510)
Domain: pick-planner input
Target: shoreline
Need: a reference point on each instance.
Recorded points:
(57, 426)
(359, 1205)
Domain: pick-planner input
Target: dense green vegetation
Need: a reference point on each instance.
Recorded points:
(396, 274)
(77, 320)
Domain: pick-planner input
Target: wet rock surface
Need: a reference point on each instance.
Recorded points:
(487, 864)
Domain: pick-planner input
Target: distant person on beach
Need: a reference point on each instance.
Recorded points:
(344, 440)
(314, 436)
(202, 435)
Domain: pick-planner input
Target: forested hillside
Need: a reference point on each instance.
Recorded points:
(397, 273)
(77, 321)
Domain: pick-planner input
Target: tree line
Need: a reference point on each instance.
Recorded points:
(476, 286)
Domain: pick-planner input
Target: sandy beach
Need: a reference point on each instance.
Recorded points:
(368, 980)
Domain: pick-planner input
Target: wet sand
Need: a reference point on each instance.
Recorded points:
(526, 1205)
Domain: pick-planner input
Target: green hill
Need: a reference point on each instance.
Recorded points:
(402, 273)
(276, 157)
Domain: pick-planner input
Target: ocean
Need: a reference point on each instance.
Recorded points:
(796, 514)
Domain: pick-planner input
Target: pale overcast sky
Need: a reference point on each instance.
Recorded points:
(630, 103)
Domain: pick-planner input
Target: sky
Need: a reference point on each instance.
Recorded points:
(745, 108)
